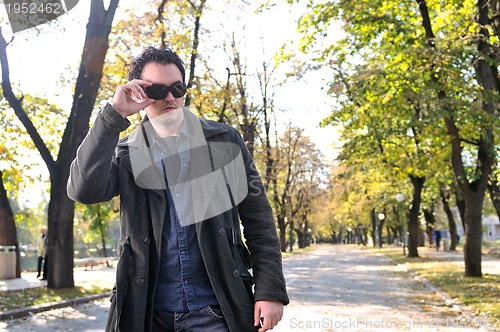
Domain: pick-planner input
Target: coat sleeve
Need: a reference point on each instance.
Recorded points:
(93, 174)
(260, 234)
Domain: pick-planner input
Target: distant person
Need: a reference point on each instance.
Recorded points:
(41, 245)
(184, 184)
(436, 236)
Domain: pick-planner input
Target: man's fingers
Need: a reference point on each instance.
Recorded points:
(146, 103)
(256, 316)
(267, 324)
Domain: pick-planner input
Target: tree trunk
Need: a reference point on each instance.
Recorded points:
(460, 203)
(413, 225)
(300, 238)
(194, 51)
(282, 233)
(60, 251)
(374, 227)
(494, 191)
(102, 230)
(473, 236)
(61, 208)
(452, 226)
(391, 234)
(8, 233)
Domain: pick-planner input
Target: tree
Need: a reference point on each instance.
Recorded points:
(452, 226)
(472, 187)
(61, 208)
(16, 149)
(297, 174)
(97, 218)
(428, 69)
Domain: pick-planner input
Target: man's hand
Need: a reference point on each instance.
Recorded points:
(271, 313)
(130, 98)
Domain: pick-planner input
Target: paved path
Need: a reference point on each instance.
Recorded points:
(342, 288)
(332, 288)
(82, 277)
(90, 317)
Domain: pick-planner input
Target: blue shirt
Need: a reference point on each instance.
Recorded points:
(183, 284)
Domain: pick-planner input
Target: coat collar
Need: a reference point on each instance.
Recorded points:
(140, 161)
(142, 137)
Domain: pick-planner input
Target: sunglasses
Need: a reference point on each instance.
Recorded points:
(158, 91)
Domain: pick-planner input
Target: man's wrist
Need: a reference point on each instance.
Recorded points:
(114, 118)
(122, 114)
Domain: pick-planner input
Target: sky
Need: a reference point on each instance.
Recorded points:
(38, 60)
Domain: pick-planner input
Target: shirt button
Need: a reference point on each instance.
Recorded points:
(183, 252)
(186, 282)
(222, 232)
(139, 282)
(146, 240)
(236, 273)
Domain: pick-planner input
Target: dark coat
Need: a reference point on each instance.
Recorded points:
(102, 169)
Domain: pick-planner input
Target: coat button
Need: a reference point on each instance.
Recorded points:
(222, 232)
(146, 240)
(236, 273)
(139, 282)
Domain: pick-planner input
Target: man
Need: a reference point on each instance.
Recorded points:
(42, 253)
(436, 235)
(184, 184)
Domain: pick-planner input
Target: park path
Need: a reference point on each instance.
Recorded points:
(331, 288)
(344, 288)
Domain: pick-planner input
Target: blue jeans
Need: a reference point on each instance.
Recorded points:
(208, 319)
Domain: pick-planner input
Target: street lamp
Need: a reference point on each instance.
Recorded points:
(381, 217)
(378, 217)
(400, 198)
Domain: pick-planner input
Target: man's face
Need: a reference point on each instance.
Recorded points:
(167, 111)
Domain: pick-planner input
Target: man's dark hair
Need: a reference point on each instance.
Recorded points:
(160, 55)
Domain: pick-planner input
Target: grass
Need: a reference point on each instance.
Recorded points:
(480, 294)
(16, 299)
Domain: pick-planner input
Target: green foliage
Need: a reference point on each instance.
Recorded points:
(93, 222)
(388, 101)
(29, 220)
(20, 167)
